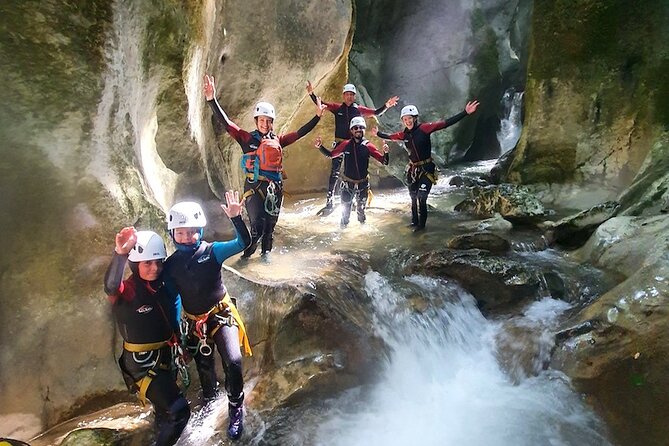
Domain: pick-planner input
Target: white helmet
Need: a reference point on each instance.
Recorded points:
(409, 110)
(149, 246)
(349, 87)
(264, 109)
(358, 120)
(186, 214)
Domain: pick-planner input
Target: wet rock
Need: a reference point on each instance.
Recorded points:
(617, 351)
(574, 230)
(480, 240)
(496, 283)
(311, 339)
(97, 437)
(501, 167)
(624, 244)
(514, 203)
(495, 224)
(462, 181)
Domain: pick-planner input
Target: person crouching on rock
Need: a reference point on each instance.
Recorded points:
(262, 163)
(147, 314)
(355, 179)
(194, 269)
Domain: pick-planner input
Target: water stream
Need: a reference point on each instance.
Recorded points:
(451, 376)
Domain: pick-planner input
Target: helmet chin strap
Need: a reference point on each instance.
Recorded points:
(187, 247)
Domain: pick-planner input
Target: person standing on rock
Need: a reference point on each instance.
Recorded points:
(147, 314)
(343, 113)
(262, 163)
(355, 179)
(194, 270)
(421, 170)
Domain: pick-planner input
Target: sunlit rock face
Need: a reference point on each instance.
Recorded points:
(594, 104)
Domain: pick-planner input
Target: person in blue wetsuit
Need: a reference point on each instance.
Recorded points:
(147, 314)
(421, 170)
(194, 269)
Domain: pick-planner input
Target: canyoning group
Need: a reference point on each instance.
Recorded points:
(174, 309)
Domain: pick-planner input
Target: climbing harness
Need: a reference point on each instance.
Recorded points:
(272, 206)
(223, 313)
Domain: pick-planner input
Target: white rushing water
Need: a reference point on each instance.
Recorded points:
(443, 384)
(511, 123)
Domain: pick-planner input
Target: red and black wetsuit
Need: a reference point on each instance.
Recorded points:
(264, 194)
(356, 175)
(421, 169)
(147, 314)
(343, 114)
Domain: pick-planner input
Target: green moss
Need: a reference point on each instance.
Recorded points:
(170, 28)
(44, 46)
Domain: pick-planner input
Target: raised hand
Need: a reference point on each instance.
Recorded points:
(209, 87)
(234, 207)
(318, 142)
(310, 88)
(125, 240)
(392, 101)
(471, 107)
(320, 107)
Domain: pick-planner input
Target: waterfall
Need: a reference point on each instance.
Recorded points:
(511, 123)
(126, 123)
(443, 384)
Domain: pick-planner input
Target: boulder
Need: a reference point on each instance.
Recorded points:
(617, 351)
(574, 230)
(496, 283)
(480, 240)
(514, 203)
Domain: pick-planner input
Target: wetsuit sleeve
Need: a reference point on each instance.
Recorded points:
(114, 275)
(383, 158)
(325, 151)
(174, 311)
(291, 137)
(339, 149)
(223, 250)
(331, 106)
(434, 126)
(398, 136)
(221, 117)
(366, 111)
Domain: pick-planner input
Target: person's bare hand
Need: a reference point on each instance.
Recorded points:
(471, 107)
(320, 107)
(392, 101)
(234, 206)
(310, 88)
(209, 87)
(125, 240)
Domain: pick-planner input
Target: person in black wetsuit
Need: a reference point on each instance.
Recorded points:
(194, 270)
(343, 113)
(262, 163)
(147, 314)
(355, 179)
(420, 171)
